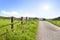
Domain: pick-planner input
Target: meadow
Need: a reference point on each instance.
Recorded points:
(55, 22)
(25, 31)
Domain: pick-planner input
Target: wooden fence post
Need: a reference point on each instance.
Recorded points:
(29, 18)
(21, 20)
(12, 23)
(26, 19)
(22, 25)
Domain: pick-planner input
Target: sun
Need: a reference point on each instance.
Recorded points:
(46, 7)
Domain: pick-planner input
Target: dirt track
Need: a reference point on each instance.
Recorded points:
(48, 31)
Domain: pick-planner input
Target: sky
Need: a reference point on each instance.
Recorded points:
(30, 8)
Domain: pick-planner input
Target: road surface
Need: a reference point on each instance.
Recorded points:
(48, 31)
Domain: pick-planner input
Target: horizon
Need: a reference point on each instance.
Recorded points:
(31, 17)
(30, 8)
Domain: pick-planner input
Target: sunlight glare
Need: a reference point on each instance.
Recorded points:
(46, 7)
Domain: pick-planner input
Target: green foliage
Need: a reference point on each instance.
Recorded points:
(56, 22)
(25, 31)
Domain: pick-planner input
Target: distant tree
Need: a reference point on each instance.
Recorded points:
(44, 19)
(58, 18)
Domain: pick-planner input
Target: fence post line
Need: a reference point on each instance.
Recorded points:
(26, 19)
(21, 20)
(12, 26)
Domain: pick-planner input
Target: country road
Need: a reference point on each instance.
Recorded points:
(48, 31)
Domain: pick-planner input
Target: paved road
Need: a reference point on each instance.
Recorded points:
(48, 31)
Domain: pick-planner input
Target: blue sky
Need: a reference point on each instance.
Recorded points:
(30, 8)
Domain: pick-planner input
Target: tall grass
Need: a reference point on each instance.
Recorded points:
(27, 31)
(55, 22)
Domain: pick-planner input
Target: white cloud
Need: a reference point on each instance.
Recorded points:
(39, 13)
(3, 11)
(12, 13)
(16, 14)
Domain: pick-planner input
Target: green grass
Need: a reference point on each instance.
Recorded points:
(55, 22)
(6, 21)
(27, 31)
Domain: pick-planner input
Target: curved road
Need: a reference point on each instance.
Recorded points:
(48, 31)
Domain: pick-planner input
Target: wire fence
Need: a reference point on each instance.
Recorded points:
(12, 23)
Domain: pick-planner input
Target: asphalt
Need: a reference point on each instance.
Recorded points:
(47, 31)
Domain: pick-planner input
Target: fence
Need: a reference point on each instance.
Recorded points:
(19, 28)
(12, 25)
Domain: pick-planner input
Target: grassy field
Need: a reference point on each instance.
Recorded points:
(55, 22)
(26, 31)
